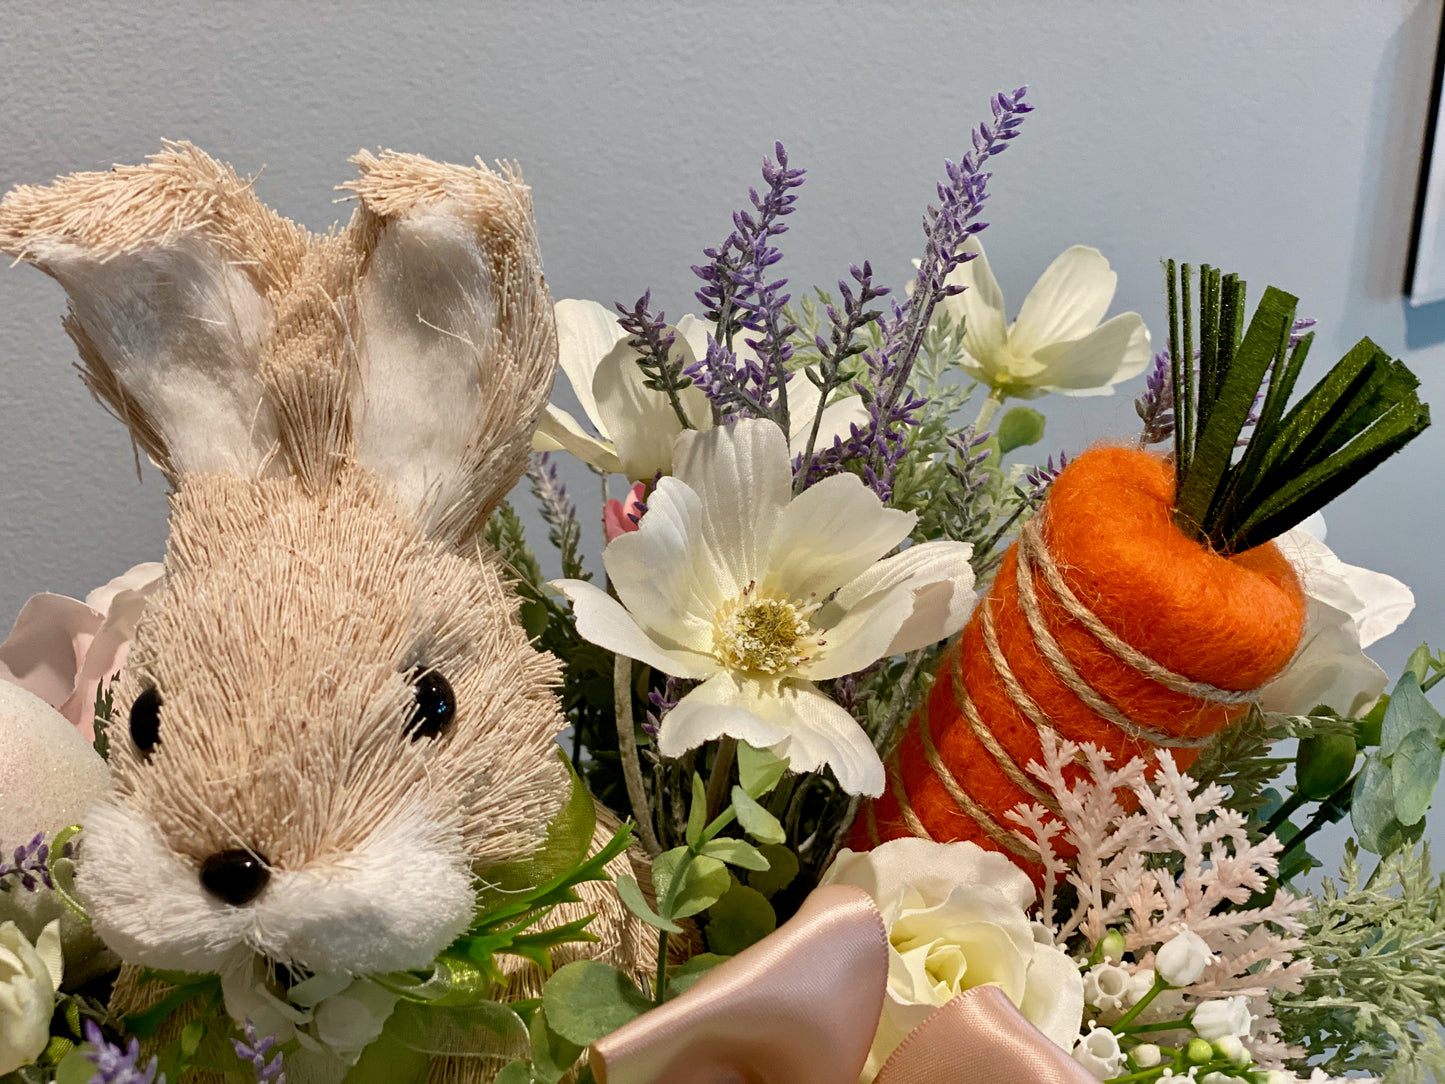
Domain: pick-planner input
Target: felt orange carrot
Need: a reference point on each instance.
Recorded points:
(1144, 605)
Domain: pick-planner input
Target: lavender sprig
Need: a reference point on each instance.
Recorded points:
(739, 293)
(559, 511)
(653, 340)
(1155, 404)
(30, 865)
(1038, 479)
(114, 1065)
(254, 1050)
(662, 702)
(835, 351)
(892, 406)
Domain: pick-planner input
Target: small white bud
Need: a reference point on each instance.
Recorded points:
(1182, 959)
(1228, 1016)
(1146, 1055)
(1230, 1048)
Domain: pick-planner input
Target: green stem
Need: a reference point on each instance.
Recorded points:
(720, 776)
(1143, 1003)
(1328, 813)
(1162, 1025)
(659, 987)
(986, 412)
(1283, 813)
(1430, 683)
(631, 762)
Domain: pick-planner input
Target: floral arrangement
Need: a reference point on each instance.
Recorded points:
(780, 655)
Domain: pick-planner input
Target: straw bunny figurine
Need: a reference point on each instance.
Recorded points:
(336, 724)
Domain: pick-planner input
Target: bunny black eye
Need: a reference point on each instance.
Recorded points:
(436, 706)
(145, 720)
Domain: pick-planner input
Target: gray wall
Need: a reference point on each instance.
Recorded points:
(1280, 140)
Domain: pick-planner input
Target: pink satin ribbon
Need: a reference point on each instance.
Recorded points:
(801, 1007)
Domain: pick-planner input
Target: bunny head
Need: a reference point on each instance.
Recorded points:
(331, 723)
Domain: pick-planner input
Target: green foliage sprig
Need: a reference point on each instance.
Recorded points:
(1376, 996)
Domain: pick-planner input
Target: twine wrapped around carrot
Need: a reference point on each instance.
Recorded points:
(1081, 634)
(1145, 604)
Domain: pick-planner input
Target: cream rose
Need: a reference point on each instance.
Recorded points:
(957, 918)
(29, 977)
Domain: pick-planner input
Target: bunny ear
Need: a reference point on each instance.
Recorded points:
(456, 344)
(168, 266)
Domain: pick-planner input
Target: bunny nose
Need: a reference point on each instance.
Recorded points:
(236, 877)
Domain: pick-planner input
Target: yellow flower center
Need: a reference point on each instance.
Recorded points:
(763, 635)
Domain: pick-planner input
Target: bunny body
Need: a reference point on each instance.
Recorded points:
(337, 415)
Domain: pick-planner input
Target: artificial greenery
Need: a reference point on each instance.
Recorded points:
(1294, 462)
(1377, 988)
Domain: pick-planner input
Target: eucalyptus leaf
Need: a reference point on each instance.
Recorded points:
(1372, 809)
(1414, 772)
(782, 868)
(1408, 712)
(741, 918)
(633, 899)
(735, 852)
(756, 821)
(588, 999)
(1419, 663)
(703, 880)
(1019, 428)
(758, 769)
(75, 1068)
(517, 1072)
(552, 1054)
(697, 814)
(688, 973)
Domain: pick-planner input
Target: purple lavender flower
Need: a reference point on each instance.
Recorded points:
(739, 293)
(662, 702)
(254, 1050)
(892, 406)
(31, 865)
(114, 1065)
(1155, 404)
(1038, 479)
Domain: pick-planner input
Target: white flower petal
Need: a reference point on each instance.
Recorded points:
(916, 598)
(820, 732)
(933, 870)
(1349, 607)
(1117, 350)
(586, 333)
(744, 475)
(721, 705)
(1067, 302)
(694, 333)
(1053, 1000)
(559, 431)
(641, 421)
(48, 950)
(601, 620)
(652, 569)
(829, 535)
(980, 306)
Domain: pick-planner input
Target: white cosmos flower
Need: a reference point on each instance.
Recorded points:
(1348, 609)
(731, 580)
(636, 426)
(1057, 343)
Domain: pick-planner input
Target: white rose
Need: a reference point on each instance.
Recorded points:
(1183, 958)
(957, 918)
(1227, 1016)
(1099, 1053)
(29, 978)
